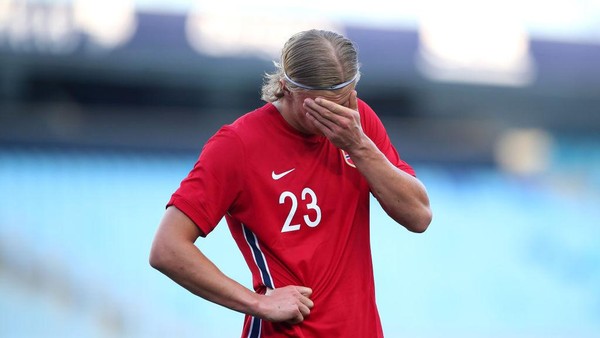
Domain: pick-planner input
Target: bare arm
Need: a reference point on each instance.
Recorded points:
(174, 254)
(401, 195)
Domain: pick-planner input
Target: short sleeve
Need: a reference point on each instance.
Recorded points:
(374, 128)
(213, 184)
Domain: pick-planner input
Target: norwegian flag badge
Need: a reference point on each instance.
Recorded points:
(347, 158)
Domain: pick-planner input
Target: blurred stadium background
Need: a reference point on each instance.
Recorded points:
(104, 106)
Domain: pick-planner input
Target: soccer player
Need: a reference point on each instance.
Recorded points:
(293, 180)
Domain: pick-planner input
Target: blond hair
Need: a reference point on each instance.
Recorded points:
(313, 58)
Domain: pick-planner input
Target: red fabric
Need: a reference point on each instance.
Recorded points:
(323, 199)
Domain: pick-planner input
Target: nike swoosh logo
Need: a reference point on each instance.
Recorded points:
(278, 176)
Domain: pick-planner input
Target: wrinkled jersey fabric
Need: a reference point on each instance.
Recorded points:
(298, 210)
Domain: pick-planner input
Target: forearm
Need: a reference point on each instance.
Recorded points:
(402, 196)
(190, 268)
(175, 254)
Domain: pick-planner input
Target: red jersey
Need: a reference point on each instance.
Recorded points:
(298, 210)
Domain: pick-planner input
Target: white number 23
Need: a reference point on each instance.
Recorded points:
(312, 205)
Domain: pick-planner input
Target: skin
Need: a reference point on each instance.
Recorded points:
(174, 254)
(333, 114)
(401, 195)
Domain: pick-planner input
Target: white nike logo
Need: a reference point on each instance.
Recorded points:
(278, 176)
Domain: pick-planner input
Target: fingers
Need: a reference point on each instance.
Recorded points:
(323, 124)
(304, 310)
(289, 304)
(322, 109)
(327, 116)
(324, 106)
(304, 290)
(353, 104)
(329, 113)
(339, 123)
(328, 105)
(321, 116)
(306, 293)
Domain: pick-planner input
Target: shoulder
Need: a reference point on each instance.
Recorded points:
(364, 107)
(246, 124)
(367, 114)
(258, 116)
(368, 118)
(244, 133)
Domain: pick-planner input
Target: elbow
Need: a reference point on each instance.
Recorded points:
(416, 220)
(421, 220)
(155, 259)
(419, 228)
(158, 256)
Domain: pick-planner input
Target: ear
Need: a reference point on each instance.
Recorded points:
(286, 91)
(284, 87)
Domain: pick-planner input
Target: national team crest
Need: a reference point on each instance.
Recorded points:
(347, 158)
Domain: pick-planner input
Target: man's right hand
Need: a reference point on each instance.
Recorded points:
(290, 304)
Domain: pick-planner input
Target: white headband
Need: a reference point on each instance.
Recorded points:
(334, 87)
